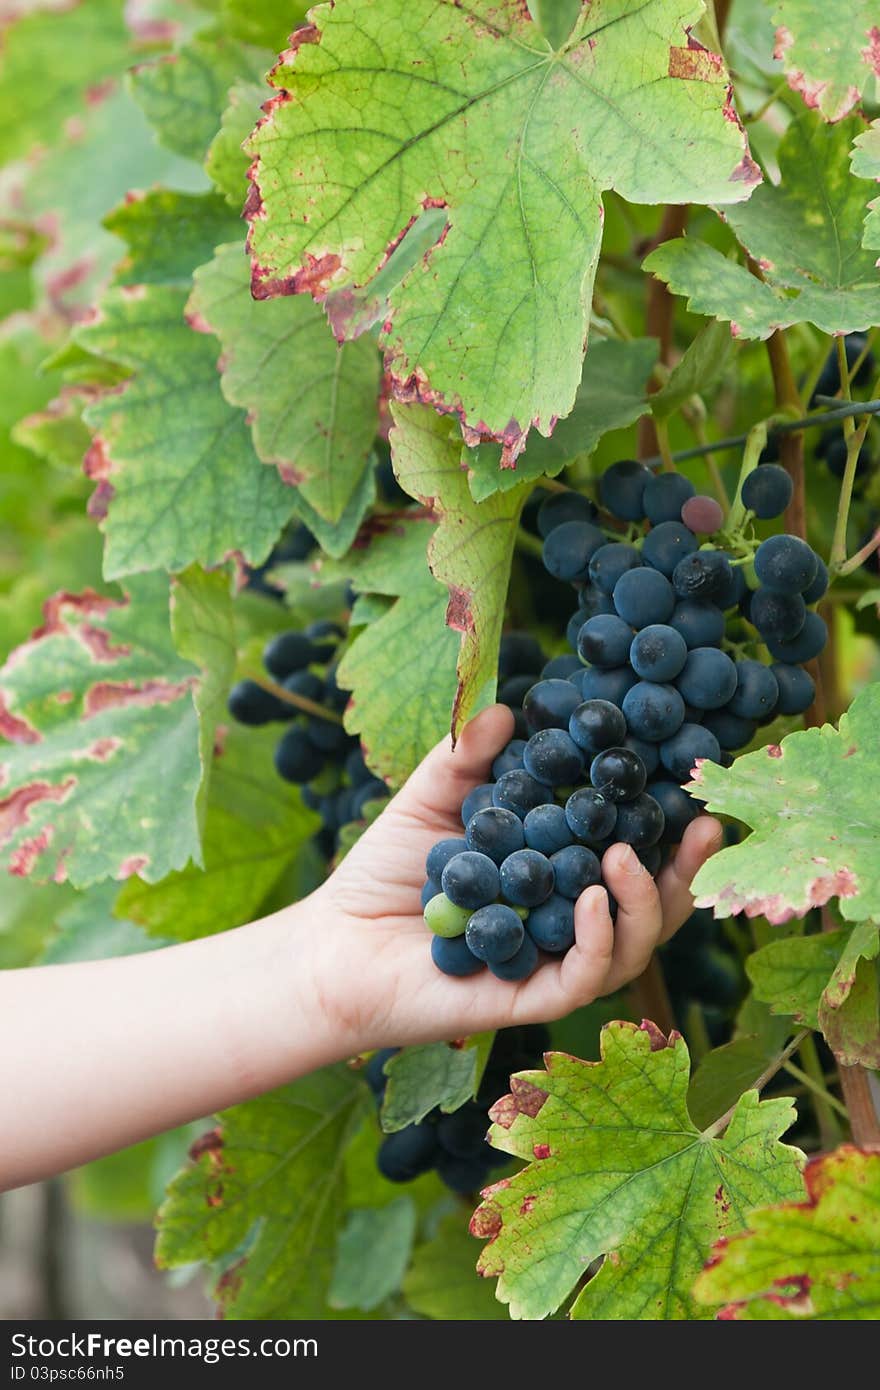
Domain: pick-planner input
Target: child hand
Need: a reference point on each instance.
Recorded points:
(374, 973)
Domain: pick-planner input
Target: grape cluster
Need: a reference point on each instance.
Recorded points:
(314, 752)
(667, 672)
(455, 1144)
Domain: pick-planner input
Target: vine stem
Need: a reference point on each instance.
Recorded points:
(824, 1100)
(777, 427)
(659, 311)
(860, 556)
(297, 701)
(767, 1075)
(529, 544)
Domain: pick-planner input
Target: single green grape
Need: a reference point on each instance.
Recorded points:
(444, 918)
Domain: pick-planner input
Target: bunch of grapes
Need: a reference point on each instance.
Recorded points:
(455, 1143)
(674, 623)
(315, 752)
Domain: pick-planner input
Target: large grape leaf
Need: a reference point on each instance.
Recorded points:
(386, 110)
(830, 57)
(441, 1282)
(102, 772)
(168, 234)
(428, 1075)
(812, 804)
(805, 232)
(470, 551)
(616, 1167)
(312, 404)
(612, 394)
(400, 702)
(183, 94)
(255, 827)
(266, 1188)
(790, 974)
(75, 51)
(816, 1259)
(178, 479)
(866, 165)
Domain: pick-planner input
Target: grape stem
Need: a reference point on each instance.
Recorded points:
(859, 558)
(756, 442)
(301, 702)
(855, 438)
(529, 544)
(767, 1075)
(779, 426)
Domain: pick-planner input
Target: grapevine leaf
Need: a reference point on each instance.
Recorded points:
(612, 394)
(72, 186)
(183, 94)
(481, 116)
(848, 1010)
(226, 162)
(271, 1175)
(441, 1282)
(93, 43)
(335, 537)
(471, 550)
(616, 1167)
(168, 234)
(259, 22)
(178, 480)
(428, 1075)
(255, 827)
(312, 405)
(699, 369)
(400, 705)
(99, 707)
(791, 974)
(866, 165)
(57, 433)
(203, 633)
(724, 1074)
(815, 1259)
(88, 930)
(812, 805)
(806, 235)
(372, 1255)
(829, 59)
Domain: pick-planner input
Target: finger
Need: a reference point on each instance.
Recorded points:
(559, 987)
(443, 779)
(701, 840)
(639, 920)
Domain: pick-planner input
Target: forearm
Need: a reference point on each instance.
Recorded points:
(101, 1054)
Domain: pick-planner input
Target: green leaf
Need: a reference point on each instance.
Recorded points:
(203, 632)
(849, 1010)
(724, 1074)
(183, 95)
(400, 706)
(75, 50)
(21, 245)
(806, 234)
(480, 115)
(226, 162)
(612, 394)
(259, 21)
(57, 433)
(622, 1171)
(428, 1075)
(812, 805)
(697, 372)
(101, 710)
(75, 183)
(830, 58)
(88, 930)
(255, 827)
(791, 974)
(372, 1255)
(807, 1260)
(270, 1176)
(312, 404)
(126, 1186)
(471, 550)
(335, 537)
(443, 1284)
(866, 165)
(168, 234)
(176, 469)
